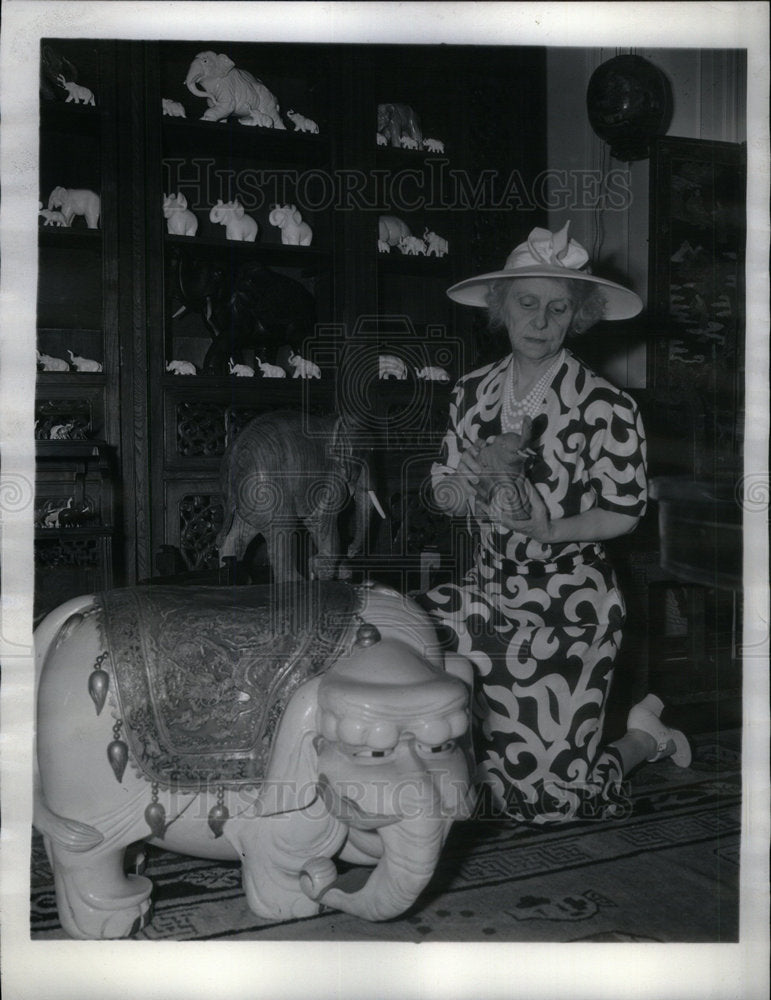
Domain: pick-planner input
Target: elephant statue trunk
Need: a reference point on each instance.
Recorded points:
(284, 728)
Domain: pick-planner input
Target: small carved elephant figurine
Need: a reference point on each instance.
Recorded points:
(76, 201)
(238, 225)
(303, 368)
(180, 220)
(172, 108)
(357, 749)
(436, 246)
(230, 91)
(75, 93)
(301, 123)
(294, 232)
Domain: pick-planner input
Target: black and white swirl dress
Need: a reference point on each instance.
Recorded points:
(542, 623)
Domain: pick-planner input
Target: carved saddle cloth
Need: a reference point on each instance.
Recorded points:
(201, 675)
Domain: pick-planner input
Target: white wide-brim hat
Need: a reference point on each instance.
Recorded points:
(549, 255)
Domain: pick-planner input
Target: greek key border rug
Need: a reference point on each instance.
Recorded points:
(668, 873)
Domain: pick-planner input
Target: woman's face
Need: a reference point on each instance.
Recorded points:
(538, 312)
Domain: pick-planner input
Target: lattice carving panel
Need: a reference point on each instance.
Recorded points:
(200, 519)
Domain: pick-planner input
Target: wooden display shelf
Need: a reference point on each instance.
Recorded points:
(275, 254)
(185, 136)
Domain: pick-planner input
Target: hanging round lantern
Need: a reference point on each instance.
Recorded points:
(629, 101)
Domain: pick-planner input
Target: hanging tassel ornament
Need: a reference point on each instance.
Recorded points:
(218, 815)
(155, 815)
(117, 752)
(98, 682)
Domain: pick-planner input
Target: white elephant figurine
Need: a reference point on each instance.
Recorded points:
(180, 221)
(301, 123)
(432, 373)
(434, 145)
(51, 218)
(279, 729)
(75, 93)
(47, 363)
(172, 108)
(389, 366)
(181, 368)
(303, 368)
(436, 246)
(76, 201)
(407, 142)
(229, 91)
(81, 364)
(294, 232)
(413, 246)
(240, 371)
(391, 229)
(238, 225)
(268, 370)
(381, 139)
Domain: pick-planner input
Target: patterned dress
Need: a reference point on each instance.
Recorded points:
(542, 623)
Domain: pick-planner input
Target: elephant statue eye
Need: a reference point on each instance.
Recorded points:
(428, 750)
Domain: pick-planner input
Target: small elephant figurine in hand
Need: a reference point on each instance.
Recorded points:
(230, 91)
(504, 463)
(294, 232)
(76, 201)
(332, 726)
(238, 225)
(180, 220)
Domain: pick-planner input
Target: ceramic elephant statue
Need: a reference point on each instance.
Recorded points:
(286, 469)
(282, 728)
(246, 307)
(230, 91)
(238, 225)
(180, 221)
(294, 232)
(76, 201)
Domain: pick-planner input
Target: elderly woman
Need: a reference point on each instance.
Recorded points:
(540, 613)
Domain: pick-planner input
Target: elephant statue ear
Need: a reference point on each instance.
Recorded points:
(291, 778)
(224, 64)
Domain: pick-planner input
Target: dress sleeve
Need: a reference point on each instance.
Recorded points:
(617, 447)
(446, 487)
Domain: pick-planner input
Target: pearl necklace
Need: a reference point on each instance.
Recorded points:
(513, 410)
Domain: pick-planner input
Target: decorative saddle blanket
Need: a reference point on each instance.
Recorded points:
(201, 675)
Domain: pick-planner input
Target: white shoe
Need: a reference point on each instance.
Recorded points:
(646, 717)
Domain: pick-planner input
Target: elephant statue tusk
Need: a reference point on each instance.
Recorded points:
(180, 312)
(376, 503)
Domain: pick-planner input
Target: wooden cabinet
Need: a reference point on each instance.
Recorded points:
(155, 297)
(77, 407)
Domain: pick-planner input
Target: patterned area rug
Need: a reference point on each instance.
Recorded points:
(668, 872)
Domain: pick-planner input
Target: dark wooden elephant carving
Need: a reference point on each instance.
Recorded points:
(247, 306)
